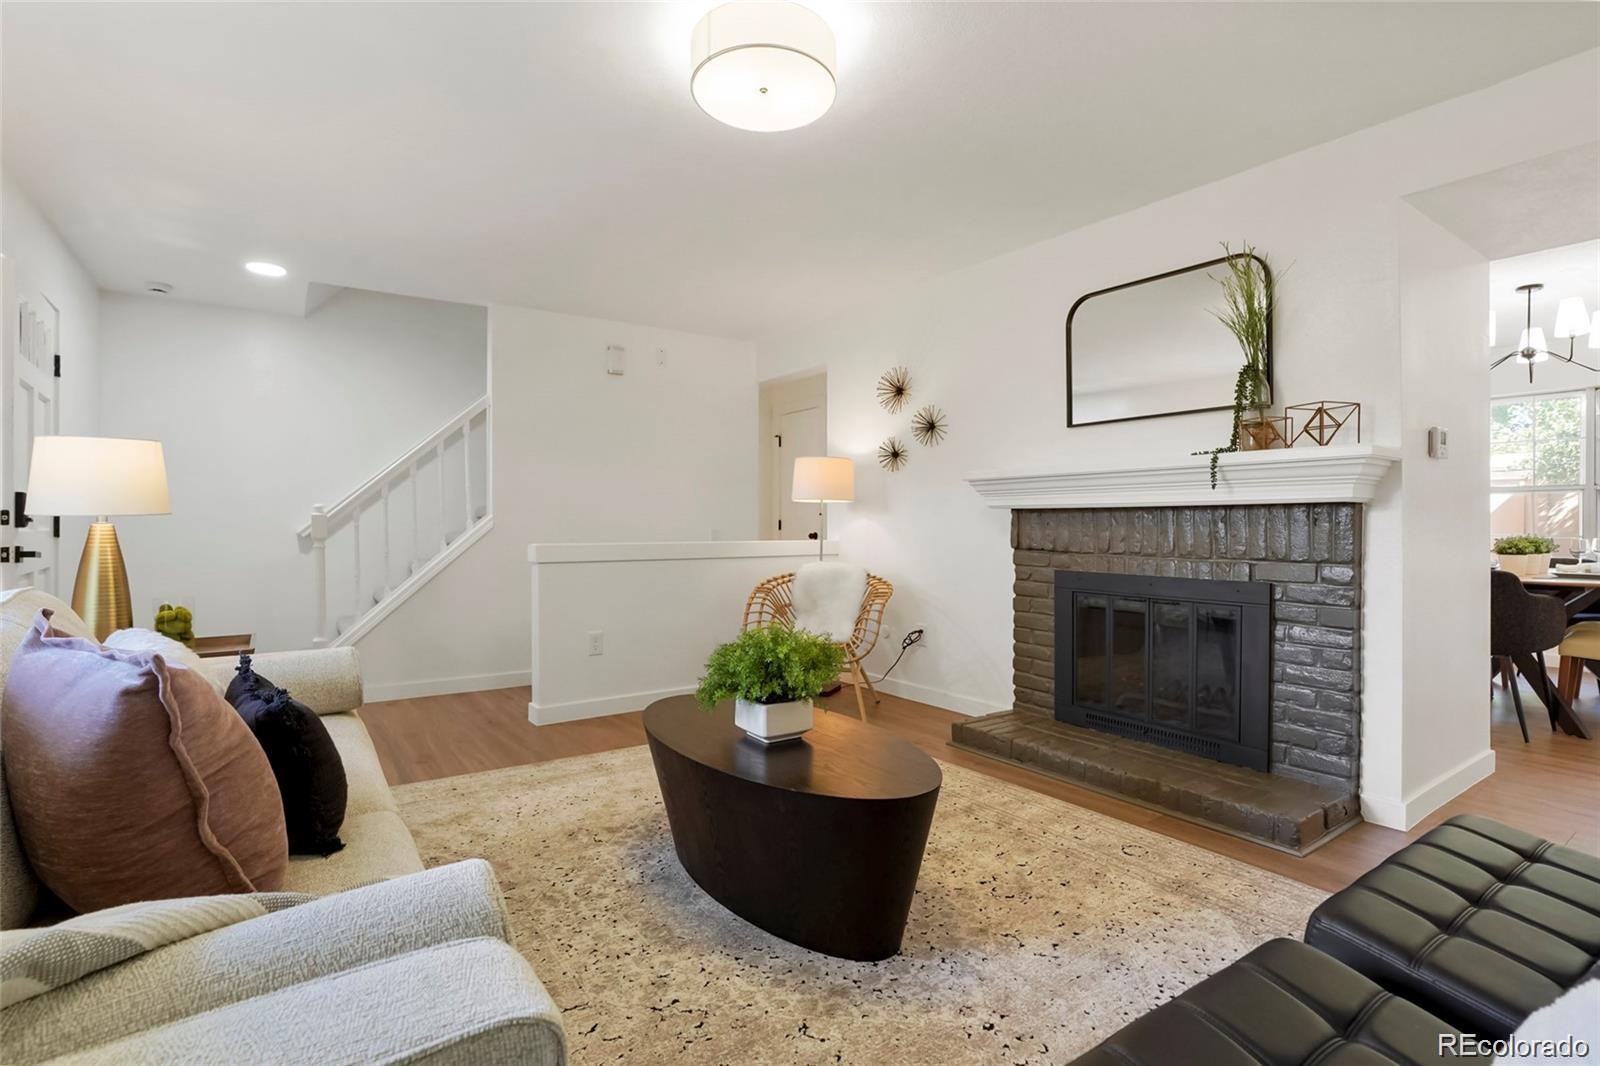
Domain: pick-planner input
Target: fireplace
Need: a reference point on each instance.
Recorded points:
(1189, 645)
(1180, 662)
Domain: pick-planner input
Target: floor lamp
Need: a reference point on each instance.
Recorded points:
(99, 476)
(823, 479)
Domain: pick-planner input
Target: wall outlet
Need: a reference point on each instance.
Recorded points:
(597, 643)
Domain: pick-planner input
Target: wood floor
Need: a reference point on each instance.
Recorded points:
(1550, 787)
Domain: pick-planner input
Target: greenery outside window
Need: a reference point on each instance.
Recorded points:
(1541, 477)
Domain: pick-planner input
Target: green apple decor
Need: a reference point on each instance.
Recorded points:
(175, 622)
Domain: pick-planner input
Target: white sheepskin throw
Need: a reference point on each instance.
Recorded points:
(827, 598)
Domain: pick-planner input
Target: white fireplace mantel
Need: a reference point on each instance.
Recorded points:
(1336, 474)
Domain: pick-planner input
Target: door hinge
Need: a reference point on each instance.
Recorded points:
(780, 525)
(58, 365)
(55, 527)
(780, 439)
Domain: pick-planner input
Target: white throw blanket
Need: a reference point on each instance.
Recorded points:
(827, 599)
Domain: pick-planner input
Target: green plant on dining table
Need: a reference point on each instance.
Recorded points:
(1525, 544)
(771, 664)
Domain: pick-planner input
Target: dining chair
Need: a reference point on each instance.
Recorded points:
(1522, 625)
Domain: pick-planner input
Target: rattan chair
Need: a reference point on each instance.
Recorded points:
(771, 603)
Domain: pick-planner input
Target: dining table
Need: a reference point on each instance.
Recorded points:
(1577, 592)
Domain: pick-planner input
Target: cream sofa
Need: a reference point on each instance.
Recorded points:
(393, 964)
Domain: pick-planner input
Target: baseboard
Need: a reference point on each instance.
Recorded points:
(1403, 814)
(938, 697)
(446, 686)
(573, 710)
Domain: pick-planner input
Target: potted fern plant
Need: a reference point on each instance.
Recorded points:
(1528, 556)
(772, 674)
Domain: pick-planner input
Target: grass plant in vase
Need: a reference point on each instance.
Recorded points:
(1248, 296)
(772, 673)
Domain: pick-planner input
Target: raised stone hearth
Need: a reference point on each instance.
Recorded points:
(1285, 812)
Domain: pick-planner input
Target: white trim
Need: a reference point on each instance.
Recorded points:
(1336, 474)
(971, 706)
(599, 707)
(409, 587)
(447, 686)
(661, 551)
(1404, 814)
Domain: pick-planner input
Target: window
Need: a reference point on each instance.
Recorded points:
(1541, 477)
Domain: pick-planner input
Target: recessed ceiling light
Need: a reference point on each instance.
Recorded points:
(266, 270)
(763, 65)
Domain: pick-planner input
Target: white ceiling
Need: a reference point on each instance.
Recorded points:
(550, 155)
(1548, 202)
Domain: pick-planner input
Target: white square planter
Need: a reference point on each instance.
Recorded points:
(773, 723)
(1526, 565)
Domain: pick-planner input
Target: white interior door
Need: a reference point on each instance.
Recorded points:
(30, 398)
(800, 432)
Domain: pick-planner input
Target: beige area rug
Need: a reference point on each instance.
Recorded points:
(1038, 928)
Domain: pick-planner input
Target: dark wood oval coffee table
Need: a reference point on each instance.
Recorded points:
(818, 841)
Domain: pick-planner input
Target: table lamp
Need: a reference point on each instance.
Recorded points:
(821, 479)
(99, 476)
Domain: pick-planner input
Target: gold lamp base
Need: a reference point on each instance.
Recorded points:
(100, 595)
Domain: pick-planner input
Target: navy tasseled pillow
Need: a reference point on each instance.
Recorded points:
(303, 757)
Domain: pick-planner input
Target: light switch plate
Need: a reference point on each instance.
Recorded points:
(616, 360)
(1438, 442)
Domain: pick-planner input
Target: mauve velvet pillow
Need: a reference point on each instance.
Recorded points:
(130, 778)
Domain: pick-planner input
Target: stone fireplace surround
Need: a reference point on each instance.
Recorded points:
(1309, 553)
(1292, 520)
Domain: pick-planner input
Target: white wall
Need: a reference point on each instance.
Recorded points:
(1443, 735)
(986, 344)
(46, 265)
(659, 607)
(666, 452)
(263, 416)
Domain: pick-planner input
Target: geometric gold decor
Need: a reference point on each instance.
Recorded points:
(894, 388)
(892, 455)
(1323, 420)
(929, 426)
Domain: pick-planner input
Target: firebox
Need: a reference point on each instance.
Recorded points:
(1181, 662)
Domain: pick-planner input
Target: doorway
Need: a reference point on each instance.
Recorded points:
(30, 394)
(794, 423)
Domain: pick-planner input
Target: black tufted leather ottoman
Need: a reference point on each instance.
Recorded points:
(1283, 1004)
(1479, 923)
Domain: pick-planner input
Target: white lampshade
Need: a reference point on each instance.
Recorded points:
(1533, 337)
(1594, 331)
(97, 476)
(824, 479)
(762, 65)
(1572, 318)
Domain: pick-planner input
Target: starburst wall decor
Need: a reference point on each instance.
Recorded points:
(894, 388)
(929, 426)
(892, 455)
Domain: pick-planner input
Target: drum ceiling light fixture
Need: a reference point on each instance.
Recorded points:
(763, 65)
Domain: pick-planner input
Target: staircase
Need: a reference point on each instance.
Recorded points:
(375, 548)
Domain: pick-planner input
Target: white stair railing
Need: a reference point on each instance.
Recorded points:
(416, 515)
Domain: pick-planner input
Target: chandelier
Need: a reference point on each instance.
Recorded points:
(1572, 321)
